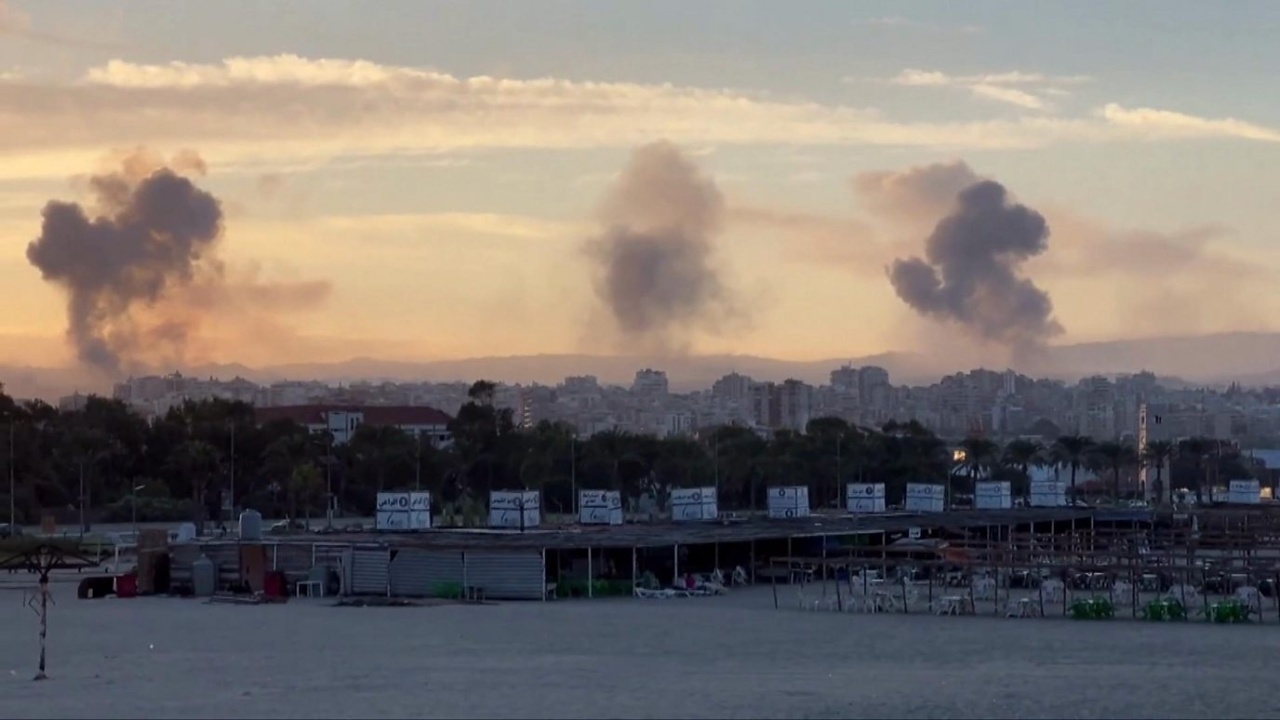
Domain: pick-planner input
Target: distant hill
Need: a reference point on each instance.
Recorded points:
(1248, 358)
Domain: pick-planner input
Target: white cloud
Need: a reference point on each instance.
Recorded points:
(896, 21)
(1024, 90)
(1166, 124)
(266, 112)
(496, 225)
(1012, 96)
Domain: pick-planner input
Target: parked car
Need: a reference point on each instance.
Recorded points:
(10, 531)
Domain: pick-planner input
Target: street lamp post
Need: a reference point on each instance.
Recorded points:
(133, 507)
(232, 509)
(328, 480)
(573, 474)
(13, 506)
(417, 464)
(82, 518)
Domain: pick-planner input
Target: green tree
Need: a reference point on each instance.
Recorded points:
(1157, 454)
(1072, 451)
(1196, 450)
(1116, 457)
(1023, 454)
(200, 463)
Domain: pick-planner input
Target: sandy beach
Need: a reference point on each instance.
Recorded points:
(732, 656)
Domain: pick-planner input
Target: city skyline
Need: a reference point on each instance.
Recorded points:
(1000, 404)
(423, 181)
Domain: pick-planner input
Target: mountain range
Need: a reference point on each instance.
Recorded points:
(1246, 358)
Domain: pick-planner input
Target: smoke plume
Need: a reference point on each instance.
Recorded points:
(654, 258)
(140, 267)
(971, 275)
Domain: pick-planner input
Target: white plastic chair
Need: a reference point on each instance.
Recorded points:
(1122, 593)
(740, 576)
(857, 602)
(883, 601)
(984, 588)
(1053, 590)
(1251, 598)
(1188, 595)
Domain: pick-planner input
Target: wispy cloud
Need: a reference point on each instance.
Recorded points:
(16, 23)
(286, 110)
(1024, 90)
(1166, 124)
(899, 22)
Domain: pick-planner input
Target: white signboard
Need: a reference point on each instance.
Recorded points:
(864, 497)
(1049, 493)
(515, 509)
(419, 511)
(694, 504)
(786, 503)
(600, 507)
(392, 512)
(1244, 492)
(925, 498)
(988, 495)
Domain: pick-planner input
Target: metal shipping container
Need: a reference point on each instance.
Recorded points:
(510, 575)
(370, 571)
(423, 573)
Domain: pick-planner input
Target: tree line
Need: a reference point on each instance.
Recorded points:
(106, 463)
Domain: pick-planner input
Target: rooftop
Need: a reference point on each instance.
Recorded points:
(373, 414)
(667, 534)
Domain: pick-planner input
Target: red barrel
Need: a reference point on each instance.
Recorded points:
(127, 585)
(273, 584)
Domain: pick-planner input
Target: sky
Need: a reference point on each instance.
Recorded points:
(423, 179)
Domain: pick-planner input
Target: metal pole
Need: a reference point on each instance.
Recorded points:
(44, 623)
(417, 465)
(13, 512)
(839, 467)
(328, 477)
(715, 465)
(573, 474)
(232, 509)
(82, 498)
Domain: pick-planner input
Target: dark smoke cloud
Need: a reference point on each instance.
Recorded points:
(971, 270)
(152, 233)
(654, 259)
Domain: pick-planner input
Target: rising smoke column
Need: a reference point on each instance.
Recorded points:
(970, 274)
(654, 257)
(151, 233)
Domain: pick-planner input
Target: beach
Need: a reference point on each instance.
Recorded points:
(732, 656)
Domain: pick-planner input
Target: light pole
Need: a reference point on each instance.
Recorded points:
(13, 512)
(328, 479)
(573, 474)
(133, 508)
(417, 464)
(232, 509)
(82, 525)
(839, 467)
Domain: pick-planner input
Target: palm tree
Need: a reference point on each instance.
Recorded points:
(1115, 456)
(980, 458)
(1022, 454)
(1158, 453)
(1072, 451)
(1196, 449)
(304, 485)
(199, 461)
